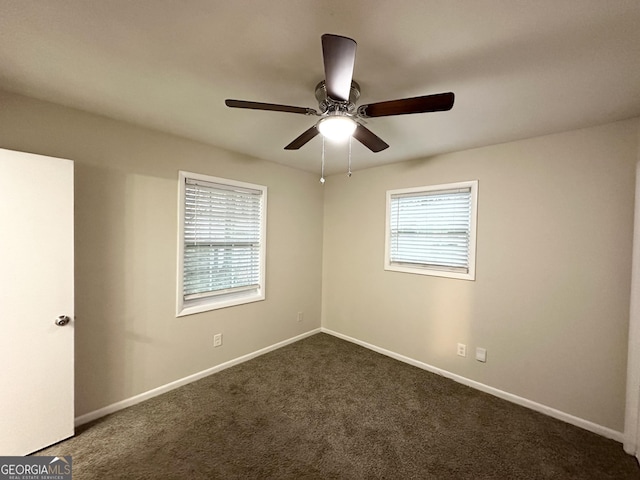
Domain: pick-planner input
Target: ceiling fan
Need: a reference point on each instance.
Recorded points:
(337, 95)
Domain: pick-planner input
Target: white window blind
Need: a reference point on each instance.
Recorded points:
(223, 232)
(432, 229)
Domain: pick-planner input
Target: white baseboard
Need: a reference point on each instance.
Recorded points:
(114, 407)
(538, 407)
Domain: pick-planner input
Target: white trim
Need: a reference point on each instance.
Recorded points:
(538, 407)
(632, 406)
(114, 407)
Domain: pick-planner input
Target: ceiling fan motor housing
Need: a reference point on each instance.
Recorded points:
(327, 104)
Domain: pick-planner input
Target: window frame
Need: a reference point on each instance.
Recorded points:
(426, 269)
(198, 305)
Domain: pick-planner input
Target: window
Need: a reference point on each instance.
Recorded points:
(432, 230)
(221, 244)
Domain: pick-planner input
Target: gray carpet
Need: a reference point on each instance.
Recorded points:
(327, 409)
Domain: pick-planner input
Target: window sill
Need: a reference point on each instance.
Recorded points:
(430, 271)
(215, 303)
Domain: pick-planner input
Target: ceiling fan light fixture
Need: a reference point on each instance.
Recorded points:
(337, 128)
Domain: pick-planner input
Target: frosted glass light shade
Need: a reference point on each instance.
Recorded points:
(337, 127)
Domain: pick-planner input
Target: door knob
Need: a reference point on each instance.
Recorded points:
(62, 320)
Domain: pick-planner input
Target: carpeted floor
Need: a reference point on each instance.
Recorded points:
(327, 409)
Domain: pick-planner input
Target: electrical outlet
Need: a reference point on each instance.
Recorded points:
(462, 350)
(481, 354)
(300, 316)
(217, 340)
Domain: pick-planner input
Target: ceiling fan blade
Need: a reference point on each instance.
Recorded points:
(429, 103)
(339, 54)
(369, 139)
(303, 138)
(269, 106)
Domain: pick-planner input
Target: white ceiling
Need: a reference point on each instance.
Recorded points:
(518, 68)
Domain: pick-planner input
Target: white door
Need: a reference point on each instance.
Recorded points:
(36, 287)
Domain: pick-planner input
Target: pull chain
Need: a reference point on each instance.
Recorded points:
(322, 171)
(349, 173)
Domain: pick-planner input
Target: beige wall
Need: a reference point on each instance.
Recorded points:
(551, 297)
(128, 339)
